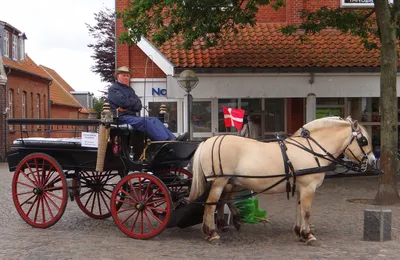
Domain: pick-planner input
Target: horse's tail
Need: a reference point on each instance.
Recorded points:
(198, 182)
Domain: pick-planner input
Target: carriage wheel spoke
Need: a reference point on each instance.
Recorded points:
(148, 221)
(154, 216)
(37, 209)
(99, 202)
(44, 215)
(104, 200)
(34, 182)
(152, 194)
(26, 185)
(140, 189)
(129, 195)
(134, 223)
(147, 190)
(129, 216)
(51, 201)
(23, 203)
(48, 207)
(31, 172)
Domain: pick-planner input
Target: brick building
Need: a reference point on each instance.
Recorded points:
(282, 81)
(30, 91)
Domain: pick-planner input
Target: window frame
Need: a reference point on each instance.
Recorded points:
(6, 43)
(14, 51)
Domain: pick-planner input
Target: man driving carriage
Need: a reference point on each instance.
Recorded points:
(126, 104)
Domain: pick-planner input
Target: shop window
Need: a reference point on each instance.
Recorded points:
(250, 105)
(154, 109)
(274, 115)
(201, 116)
(231, 103)
(330, 107)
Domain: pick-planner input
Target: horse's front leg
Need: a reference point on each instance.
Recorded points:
(306, 197)
(208, 226)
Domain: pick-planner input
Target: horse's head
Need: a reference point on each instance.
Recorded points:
(359, 148)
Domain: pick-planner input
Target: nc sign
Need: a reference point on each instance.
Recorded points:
(159, 91)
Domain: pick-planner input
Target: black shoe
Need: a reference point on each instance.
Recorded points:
(183, 137)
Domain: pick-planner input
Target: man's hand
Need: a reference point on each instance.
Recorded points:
(120, 109)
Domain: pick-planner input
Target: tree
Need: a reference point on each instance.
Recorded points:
(98, 105)
(212, 20)
(104, 48)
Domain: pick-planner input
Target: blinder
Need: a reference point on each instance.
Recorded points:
(362, 141)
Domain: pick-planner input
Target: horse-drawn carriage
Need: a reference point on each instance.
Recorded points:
(144, 185)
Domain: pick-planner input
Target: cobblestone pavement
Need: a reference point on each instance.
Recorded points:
(339, 226)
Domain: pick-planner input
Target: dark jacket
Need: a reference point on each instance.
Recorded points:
(120, 95)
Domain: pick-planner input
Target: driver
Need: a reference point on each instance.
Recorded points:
(122, 98)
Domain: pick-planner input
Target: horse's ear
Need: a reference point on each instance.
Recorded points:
(355, 123)
(349, 119)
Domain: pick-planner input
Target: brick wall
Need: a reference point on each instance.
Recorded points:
(67, 112)
(20, 82)
(132, 56)
(2, 123)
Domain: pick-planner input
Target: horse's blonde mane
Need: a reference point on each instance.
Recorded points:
(324, 122)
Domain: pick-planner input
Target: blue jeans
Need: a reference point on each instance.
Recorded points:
(152, 126)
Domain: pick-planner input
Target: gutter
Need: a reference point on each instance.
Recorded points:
(27, 72)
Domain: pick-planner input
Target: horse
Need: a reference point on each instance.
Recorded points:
(234, 161)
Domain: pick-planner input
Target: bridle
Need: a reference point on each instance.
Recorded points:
(361, 141)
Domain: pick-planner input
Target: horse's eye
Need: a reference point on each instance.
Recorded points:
(362, 141)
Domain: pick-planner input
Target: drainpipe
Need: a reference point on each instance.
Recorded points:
(48, 107)
(5, 114)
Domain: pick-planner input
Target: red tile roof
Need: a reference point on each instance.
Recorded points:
(28, 65)
(59, 89)
(264, 46)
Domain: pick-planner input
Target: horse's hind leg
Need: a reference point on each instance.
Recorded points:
(227, 195)
(208, 219)
(297, 226)
(306, 197)
(221, 223)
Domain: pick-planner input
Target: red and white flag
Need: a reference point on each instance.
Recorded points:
(233, 117)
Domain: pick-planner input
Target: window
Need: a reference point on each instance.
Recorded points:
(6, 44)
(330, 107)
(172, 120)
(37, 107)
(231, 103)
(21, 49)
(14, 47)
(24, 107)
(201, 116)
(274, 115)
(11, 106)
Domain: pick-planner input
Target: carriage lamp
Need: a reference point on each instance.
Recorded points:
(188, 81)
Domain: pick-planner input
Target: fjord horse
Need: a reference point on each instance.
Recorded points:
(236, 161)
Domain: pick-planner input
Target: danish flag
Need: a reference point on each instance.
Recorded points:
(233, 117)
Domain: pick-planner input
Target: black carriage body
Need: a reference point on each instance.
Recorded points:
(72, 156)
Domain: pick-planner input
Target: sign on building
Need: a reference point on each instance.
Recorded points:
(358, 3)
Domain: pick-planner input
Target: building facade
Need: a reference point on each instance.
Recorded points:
(282, 81)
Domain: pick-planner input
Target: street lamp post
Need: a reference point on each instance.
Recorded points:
(188, 81)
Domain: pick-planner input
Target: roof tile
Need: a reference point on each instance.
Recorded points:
(59, 89)
(28, 65)
(265, 46)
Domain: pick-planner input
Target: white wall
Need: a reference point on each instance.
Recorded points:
(281, 85)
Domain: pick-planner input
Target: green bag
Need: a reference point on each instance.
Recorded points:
(250, 212)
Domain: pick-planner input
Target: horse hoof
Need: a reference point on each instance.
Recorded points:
(214, 238)
(237, 225)
(310, 240)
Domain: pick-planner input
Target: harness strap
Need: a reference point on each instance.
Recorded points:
(219, 154)
(289, 170)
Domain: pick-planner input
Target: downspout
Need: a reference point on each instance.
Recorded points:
(5, 115)
(115, 35)
(48, 108)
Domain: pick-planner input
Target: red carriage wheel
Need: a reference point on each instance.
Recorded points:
(177, 181)
(39, 190)
(93, 192)
(146, 205)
